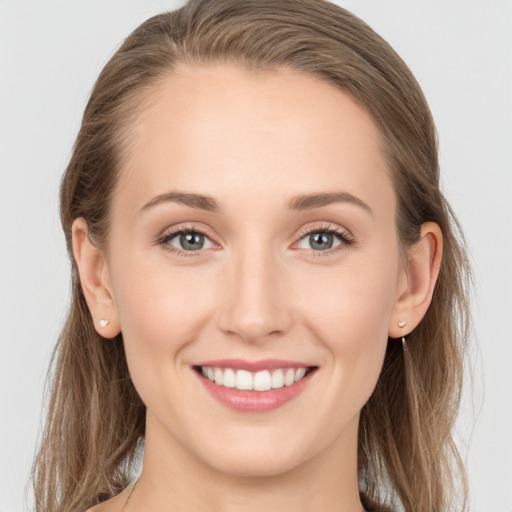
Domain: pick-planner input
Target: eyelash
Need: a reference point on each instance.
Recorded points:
(167, 237)
(346, 239)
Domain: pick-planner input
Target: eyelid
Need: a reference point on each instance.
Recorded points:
(331, 228)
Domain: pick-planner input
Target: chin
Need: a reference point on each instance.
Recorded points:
(252, 460)
(256, 466)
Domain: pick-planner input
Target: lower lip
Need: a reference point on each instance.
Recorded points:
(255, 401)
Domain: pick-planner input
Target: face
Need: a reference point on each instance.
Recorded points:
(254, 222)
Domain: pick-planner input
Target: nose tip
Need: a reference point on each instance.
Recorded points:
(252, 330)
(253, 315)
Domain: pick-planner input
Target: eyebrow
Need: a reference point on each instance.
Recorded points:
(310, 201)
(198, 201)
(300, 202)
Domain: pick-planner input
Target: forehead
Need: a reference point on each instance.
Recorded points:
(225, 131)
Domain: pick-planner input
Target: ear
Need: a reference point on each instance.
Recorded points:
(417, 281)
(95, 281)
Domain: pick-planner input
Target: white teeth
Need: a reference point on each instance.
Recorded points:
(219, 377)
(289, 377)
(243, 380)
(262, 381)
(277, 379)
(258, 381)
(229, 378)
(298, 374)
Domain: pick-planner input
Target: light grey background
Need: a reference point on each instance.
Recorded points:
(50, 55)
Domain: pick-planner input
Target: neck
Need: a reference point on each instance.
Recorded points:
(173, 479)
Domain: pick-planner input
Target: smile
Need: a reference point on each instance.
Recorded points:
(254, 388)
(258, 381)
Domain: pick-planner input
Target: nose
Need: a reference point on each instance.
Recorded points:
(254, 305)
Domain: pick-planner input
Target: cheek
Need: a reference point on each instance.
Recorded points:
(351, 305)
(349, 312)
(160, 310)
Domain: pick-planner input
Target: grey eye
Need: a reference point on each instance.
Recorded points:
(191, 241)
(320, 241)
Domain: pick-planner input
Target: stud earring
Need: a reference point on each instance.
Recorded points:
(103, 323)
(402, 324)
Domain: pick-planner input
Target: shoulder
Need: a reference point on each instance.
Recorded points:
(106, 506)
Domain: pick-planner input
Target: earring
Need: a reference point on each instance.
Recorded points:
(103, 323)
(402, 324)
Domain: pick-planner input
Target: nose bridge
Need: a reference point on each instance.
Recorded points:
(255, 306)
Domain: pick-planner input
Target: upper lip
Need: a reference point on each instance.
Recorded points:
(254, 366)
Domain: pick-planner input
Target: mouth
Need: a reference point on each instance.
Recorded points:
(263, 380)
(257, 387)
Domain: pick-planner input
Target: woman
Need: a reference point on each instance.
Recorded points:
(268, 285)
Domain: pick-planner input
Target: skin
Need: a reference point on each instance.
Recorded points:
(257, 289)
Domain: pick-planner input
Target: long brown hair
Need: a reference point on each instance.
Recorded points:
(95, 420)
